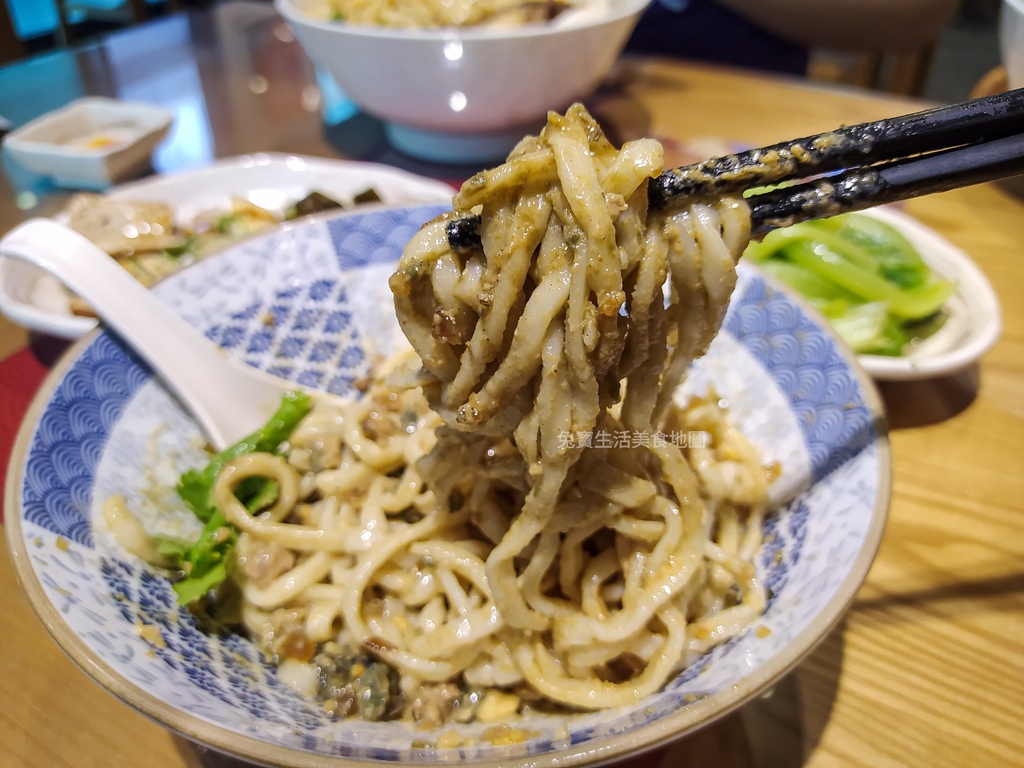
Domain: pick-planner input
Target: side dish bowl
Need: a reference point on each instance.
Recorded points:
(973, 318)
(103, 425)
(465, 94)
(91, 143)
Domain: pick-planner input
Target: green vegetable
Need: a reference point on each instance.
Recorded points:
(314, 202)
(910, 303)
(171, 548)
(897, 259)
(176, 251)
(816, 288)
(870, 329)
(226, 224)
(206, 561)
(862, 274)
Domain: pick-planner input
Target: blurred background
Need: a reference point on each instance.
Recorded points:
(944, 69)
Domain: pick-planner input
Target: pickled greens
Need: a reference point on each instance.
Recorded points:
(863, 275)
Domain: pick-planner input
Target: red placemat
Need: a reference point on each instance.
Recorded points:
(21, 374)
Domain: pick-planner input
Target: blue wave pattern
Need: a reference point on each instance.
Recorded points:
(377, 239)
(305, 328)
(805, 363)
(69, 440)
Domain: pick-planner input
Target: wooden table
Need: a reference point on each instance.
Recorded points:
(927, 669)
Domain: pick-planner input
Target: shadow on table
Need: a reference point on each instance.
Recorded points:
(361, 137)
(48, 349)
(929, 401)
(779, 729)
(960, 598)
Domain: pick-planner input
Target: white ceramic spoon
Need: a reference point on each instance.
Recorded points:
(228, 398)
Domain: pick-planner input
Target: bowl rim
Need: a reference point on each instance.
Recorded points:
(598, 751)
(616, 12)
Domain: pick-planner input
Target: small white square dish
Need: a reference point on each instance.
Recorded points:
(91, 143)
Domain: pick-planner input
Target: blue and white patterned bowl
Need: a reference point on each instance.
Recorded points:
(101, 424)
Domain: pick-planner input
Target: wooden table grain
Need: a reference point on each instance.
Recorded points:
(927, 667)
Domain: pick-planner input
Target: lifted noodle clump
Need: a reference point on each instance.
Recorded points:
(610, 565)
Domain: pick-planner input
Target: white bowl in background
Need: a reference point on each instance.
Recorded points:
(1011, 41)
(91, 143)
(465, 94)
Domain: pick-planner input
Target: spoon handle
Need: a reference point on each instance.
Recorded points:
(228, 398)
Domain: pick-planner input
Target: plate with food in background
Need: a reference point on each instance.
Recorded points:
(159, 225)
(910, 303)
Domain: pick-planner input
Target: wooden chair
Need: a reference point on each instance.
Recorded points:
(896, 58)
(904, 74)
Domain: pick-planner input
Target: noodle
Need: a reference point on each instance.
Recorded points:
(444, 13)
(539, 515)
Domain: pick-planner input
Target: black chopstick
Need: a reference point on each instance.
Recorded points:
(862, 188)
(940, 128)
(876, 158)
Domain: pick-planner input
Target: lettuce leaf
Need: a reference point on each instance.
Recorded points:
(206, 562)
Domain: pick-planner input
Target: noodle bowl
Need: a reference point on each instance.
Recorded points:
(793, 389)
(474, 532)
(460, 13)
